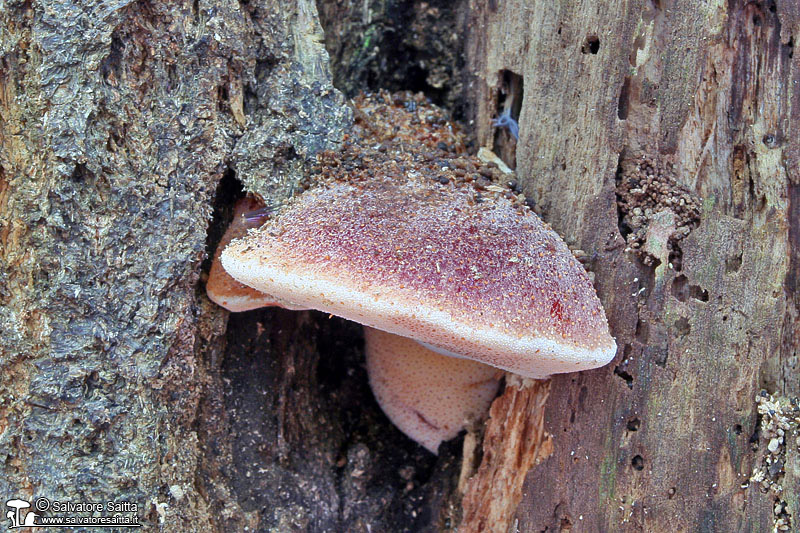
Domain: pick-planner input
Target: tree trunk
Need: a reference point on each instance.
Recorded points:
(661, 138)
(658, 137)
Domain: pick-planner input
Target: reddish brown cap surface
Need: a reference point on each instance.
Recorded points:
(483, 279)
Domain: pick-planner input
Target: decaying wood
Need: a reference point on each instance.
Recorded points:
(513, 442)
(699, 103)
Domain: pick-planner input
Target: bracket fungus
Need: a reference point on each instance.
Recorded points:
(221, 288)
(421, 244)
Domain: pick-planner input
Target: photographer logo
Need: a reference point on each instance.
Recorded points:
(46, 513)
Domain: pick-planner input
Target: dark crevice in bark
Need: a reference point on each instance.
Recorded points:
(299, 391)
(229, 189)
(510, 94)
(793, 277)
(397, 45)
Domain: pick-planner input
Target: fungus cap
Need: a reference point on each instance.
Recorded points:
(221, 288)
(486, 280)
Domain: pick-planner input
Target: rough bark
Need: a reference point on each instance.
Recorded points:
(118, 121)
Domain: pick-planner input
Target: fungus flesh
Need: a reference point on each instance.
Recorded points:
(428, 396)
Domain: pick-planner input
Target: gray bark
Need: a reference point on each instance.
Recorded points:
(119, 119)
